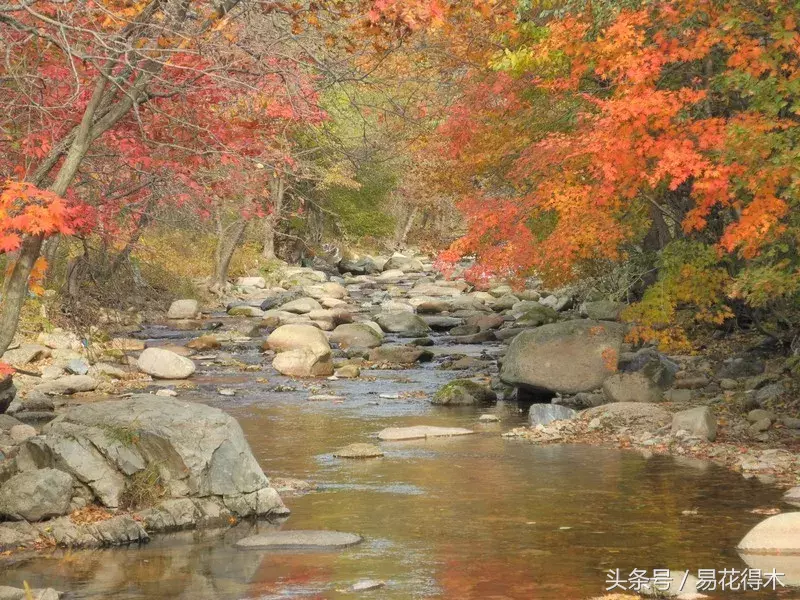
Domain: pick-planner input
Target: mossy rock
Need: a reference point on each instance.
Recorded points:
(540, 315)
(464, 392)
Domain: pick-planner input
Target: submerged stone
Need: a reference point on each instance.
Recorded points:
(291, 540)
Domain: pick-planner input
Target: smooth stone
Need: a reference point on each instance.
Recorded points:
(359, 450)
(417, 432)
(544, 414)
(290, 540)
(488, 418)
(165, 364)
(779, 534)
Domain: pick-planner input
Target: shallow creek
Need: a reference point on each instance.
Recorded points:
(475, 517)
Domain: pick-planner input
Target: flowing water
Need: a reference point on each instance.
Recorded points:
(474, 517)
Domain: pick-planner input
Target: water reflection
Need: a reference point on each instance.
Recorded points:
(476, 517)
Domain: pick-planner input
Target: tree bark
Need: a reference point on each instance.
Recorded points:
(277, 191)
(228, 239)
(401, 240)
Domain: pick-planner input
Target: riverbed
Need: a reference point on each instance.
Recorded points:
(473, 517)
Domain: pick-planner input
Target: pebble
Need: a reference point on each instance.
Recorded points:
(488, 418)
(166, 392)
(226, 392)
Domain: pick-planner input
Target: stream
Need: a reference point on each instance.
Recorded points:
(473, 517)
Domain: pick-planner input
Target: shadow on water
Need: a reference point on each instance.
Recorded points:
(475, 517)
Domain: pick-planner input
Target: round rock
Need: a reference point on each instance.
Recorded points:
(299, 540)
(359, 451)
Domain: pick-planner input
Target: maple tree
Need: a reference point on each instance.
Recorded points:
(119, 106)
(672, 122)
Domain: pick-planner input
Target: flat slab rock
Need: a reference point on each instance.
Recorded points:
(291, 540)
(420, 431)
(359, 450)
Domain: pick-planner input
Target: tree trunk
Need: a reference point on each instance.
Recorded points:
(17, 289)
(228, 239)
(401, 240)
(277, 191)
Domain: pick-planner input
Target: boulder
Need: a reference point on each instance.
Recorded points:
(404, 263)
(464, 392)
(363, 266)
(196, 451)
(7, 392)
(699, 422)
(442, 323)
(416, 432)
(602, 310)
(356, 335)
(399, 355)
(301, 306)
(403, 323)
(279, 299)
(567, 357)
(26, 354)
(298, 337)
(303, 363)
(251, 282)
(36, 495)
(779, 534)
(204, 343)
(186, 308)
(58, 339)
(631, 387)
(544, 414)
(65, 386)
(164, 364)
(536, 316)
(245, 310)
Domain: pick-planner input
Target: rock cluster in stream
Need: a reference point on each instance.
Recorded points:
(566, 356)
(165, 464)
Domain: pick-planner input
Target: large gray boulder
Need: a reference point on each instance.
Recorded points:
(65, 386)
(403, 323)
(297, 336)
(544, 414)
(404, 263)
(602, 310)
(36, 495)
(631, 387)
(303, 363)
(699, 422)
(463, 392)
(186, 308)
(303, 351)
(165, 364)
(567, 358)
(356, 335)
(195, 451)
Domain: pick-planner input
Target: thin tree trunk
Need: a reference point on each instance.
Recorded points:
(228, 240)
(407, 227)
(277, 191)
(17, 288)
